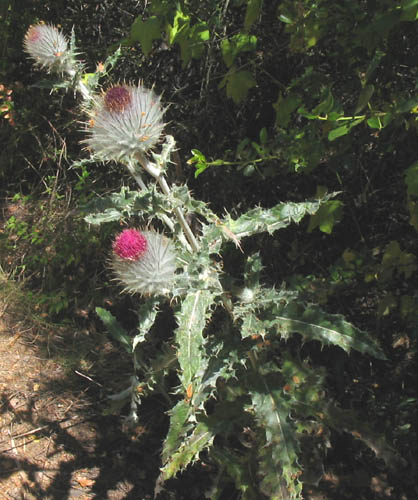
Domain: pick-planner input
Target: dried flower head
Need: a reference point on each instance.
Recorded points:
(144, 262)
(125, 120)
(48, 47)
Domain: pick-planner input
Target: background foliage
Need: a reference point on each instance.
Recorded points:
(270, 101)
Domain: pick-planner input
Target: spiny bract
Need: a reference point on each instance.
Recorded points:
(48, 47)
(125, 120)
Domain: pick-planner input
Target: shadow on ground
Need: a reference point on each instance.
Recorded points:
(58, 437)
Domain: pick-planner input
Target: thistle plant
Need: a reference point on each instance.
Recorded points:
(257, 407)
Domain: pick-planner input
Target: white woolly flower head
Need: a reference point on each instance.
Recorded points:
(125, 120)
(144, 262)
(48, 47)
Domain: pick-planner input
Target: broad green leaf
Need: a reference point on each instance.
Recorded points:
(115, 329)
(344, 129)
(386, 305)
(335, 133)
(252, 13)
(284, 107)
(327, 216)
(238, 83)
(180, 22)
(406, 105)
(285, 19)
(145, 32)
(374, 122)
(326, 105)
(409, 10)
(413, 213)
(231, 47)
(364, 97)
(307, 114)
(411, 179)
(396, 260)
(192, 40)
(374, 64)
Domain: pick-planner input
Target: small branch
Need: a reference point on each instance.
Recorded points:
(88, 378)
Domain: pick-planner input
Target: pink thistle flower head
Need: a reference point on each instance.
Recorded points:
(144, 262)
(130, 244)
(48, 47)
(125, 120)
(117, 98)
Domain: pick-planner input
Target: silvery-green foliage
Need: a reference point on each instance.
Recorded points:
(257, 408)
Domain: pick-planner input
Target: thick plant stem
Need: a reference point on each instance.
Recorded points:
(135, 174)
(156, 172)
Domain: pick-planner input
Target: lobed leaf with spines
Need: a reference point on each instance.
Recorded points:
(238, 469)
(283, 312)
(278, 459)
(191, 320)
(115, 329)
(188, 452)
(280, 216)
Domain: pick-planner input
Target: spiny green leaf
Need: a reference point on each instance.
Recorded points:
(223, 360)
(314, 324)
(191, 321)
(238, 469)
(115, 329)
(278, 458)
(345, 420)
(189, 450)
(252, 13)
(145, 32)
(252, 270)
(280, 216)
(179, 427)
(147, 314)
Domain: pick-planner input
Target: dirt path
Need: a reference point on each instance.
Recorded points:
(54, 442)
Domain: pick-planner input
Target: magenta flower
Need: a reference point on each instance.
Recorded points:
(116, 99)
(144, 262)
(130, 244)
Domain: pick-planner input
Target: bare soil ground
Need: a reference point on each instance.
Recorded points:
(55, 442)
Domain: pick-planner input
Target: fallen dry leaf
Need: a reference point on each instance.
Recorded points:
(85, 482)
